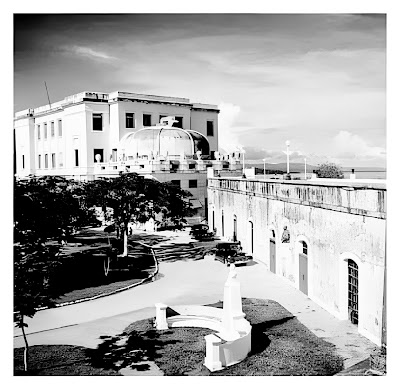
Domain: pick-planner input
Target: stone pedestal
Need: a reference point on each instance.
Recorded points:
(212, 360)
(161, 316)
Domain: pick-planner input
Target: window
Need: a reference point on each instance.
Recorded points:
(46, 161)
(60, 127)
(146, 120)
(304, 248)
(53, 160)
(99, 152)
(39, 161)
(52, 128)
(97, 122)
(76, 157)
(210, 128)
(23, 161)
(45, 130)
(38, 131)
(179, 123)
(192, 183)
(60, 159)
(192, 165)
(130, 120)
(176, 182)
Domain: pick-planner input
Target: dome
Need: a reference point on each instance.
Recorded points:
(163, 141)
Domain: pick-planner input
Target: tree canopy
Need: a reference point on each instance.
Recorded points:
(329, 170)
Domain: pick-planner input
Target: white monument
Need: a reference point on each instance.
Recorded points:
(232, 341)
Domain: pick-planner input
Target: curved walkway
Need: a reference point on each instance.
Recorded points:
(180, 283)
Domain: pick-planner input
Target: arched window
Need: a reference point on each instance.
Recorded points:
(305, 248)
(352, 291)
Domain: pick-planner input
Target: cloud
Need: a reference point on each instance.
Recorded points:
(227, 132)
(348, 145)
(88, 52)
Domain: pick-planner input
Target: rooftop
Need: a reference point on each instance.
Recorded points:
(109, 98)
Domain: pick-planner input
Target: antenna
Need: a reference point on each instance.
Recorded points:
(48, 98)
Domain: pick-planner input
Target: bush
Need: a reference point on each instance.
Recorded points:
(329, 170)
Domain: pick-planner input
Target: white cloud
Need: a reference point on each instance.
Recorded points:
(88, 52)
(348, 145)
(227, 134)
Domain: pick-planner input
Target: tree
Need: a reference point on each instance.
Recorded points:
(46, 209)
(329, 170)
(135, 199)
(34, 264)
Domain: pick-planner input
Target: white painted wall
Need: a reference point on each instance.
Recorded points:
(332, 236)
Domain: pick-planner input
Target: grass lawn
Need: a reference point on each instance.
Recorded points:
(281, 345)
(57, 360)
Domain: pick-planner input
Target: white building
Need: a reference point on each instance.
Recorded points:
(90, 134)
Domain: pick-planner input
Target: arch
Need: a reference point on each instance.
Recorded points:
(234, 228)
(271, 242)
(251, 235)
(344, 287)
(222, 223)
(303, 264)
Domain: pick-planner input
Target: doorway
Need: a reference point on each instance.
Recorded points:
(223, 225)
(234, 228)
(352, 300)
(272, 253)
(303, 268)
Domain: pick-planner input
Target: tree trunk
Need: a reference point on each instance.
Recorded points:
(125, 232)
(26, 345)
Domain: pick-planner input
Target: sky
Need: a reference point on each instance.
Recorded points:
(318, 80)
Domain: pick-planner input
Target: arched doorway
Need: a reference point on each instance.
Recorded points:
(303, 268)
(272, 253)
(234, 228)
(251, 230)
(352, 291)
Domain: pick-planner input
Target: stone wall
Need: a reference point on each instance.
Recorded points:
(337, 222)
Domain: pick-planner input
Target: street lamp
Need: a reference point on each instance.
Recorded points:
(264, 167)
(287, 156)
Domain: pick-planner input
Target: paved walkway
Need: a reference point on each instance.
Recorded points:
(197, 282)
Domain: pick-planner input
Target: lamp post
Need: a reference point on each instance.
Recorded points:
(264, 167)
(305, 168)
(287, 156)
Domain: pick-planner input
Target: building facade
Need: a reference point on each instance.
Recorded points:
(84, 137)
(325, 238)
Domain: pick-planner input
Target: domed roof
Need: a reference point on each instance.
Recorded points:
(163, 141)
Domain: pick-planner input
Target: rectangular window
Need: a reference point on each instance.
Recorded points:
(76, 157)
(97, 122)
(52, 129)
(39, 161)
(192, 165)
(99, 152)
(45, 130)
(46, 161)
(38, 131)
(192, 183)
(60, 127)
(210, 128)
(129, 120)
(23, 161)
(146, 120)
(176, 182)
(60, 159)
(53, 160)
(179, 123)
